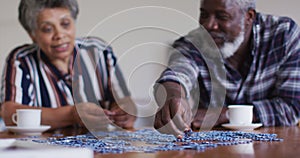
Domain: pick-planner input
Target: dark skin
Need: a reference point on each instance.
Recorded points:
(217, 17)
(174, 114)
(221, 16)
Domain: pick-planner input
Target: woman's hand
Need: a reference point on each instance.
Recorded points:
(123, 113)
(92, 116)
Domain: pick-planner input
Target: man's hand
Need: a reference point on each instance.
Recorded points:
(173, 117)
(175, 113)
(202, 113)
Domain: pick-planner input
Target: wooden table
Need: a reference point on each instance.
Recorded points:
(289, 148)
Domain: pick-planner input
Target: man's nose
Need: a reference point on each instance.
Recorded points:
(210, 24)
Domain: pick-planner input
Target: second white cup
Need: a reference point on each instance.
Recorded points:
(27, 117)
(240, 114)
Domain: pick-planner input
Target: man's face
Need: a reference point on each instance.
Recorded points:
(225, 22)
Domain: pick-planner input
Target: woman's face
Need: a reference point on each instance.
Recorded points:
(55, 33)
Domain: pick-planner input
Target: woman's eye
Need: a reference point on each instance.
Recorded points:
(46, 29)
(65, 23)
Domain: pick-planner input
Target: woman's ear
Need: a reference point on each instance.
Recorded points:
(32, 37)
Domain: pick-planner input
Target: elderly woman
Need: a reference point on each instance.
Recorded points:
(59, 71)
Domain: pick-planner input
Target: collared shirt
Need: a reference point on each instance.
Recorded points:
(272, 79)
(94, 76)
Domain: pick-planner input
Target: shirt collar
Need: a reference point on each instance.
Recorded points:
(54, 71)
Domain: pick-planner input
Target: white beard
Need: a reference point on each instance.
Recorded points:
(229, 48)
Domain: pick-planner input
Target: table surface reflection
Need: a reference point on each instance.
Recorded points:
(288, 148)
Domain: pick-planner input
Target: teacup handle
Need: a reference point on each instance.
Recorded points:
(13, 117)
(227, 114)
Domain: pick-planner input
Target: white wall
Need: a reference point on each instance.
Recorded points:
(140, 32)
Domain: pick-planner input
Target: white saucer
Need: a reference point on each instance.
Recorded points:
(28, 130)
(5, 143)
(242, 126)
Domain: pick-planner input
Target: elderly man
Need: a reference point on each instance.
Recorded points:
(261, 56)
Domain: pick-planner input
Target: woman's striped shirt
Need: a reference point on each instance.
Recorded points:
(94, 76)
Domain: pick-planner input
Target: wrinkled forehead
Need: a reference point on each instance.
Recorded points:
(219, 3)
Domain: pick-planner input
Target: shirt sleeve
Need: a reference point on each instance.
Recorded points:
(111, 77)
(15, 83)
(117, 84)
(182, 67)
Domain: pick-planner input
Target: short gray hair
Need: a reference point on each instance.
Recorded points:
(245, 5)
(29, 10)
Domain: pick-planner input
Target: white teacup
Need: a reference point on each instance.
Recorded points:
(27, 117)
(240, 114)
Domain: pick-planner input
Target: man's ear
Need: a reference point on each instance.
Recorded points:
(250, 16)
